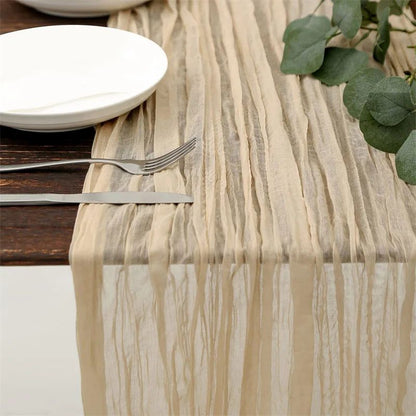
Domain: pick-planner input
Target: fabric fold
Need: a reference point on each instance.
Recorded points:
(288, 287)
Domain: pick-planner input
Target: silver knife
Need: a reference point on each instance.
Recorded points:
(95, 198)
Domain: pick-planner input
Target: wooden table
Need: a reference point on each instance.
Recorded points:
(39, 235)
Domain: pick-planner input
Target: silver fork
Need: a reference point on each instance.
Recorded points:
(134, 167)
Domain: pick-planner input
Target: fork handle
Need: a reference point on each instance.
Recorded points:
(26, 166)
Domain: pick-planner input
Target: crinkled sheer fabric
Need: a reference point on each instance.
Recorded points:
(288, 287)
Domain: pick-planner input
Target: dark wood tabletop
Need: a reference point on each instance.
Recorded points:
(36, 235)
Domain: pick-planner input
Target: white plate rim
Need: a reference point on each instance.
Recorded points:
(81, 9)
(83, 118)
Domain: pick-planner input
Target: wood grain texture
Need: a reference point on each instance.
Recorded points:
(39, 235)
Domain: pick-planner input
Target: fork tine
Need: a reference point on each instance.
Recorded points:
(186, 147)
(162, 164)
(165, 163)
(179, 154)
(190, 144)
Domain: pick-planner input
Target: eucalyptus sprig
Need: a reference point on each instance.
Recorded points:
(385, 106)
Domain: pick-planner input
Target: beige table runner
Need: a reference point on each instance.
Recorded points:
(288, 287)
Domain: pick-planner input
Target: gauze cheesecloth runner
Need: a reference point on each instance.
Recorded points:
(288, 287)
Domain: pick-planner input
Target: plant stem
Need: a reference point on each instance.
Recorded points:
(318, 6)
(333, 36)
(396, 29)
(413, 22)
(363, 37)
(393, 29)
(412, 77)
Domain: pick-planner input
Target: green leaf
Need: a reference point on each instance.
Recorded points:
(389, 103)
(305, 41)
(347, 16)
(340, 65)
(387, 139)
(357, 90)
(413, 92)
(369, 12)
(406, 160)
(396, 6)
(383, 36)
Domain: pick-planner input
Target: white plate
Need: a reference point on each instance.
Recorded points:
(66, 77)
(80, 8)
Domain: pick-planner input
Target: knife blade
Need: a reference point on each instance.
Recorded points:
(117, 198)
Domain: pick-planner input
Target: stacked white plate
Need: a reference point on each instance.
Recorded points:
(67, 77)
(80, 8)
